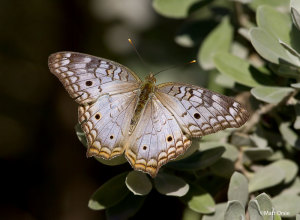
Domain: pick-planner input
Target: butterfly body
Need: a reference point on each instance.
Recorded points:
(151, 124)
(145, 93)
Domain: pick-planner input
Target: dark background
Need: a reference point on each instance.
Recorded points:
(44, 171)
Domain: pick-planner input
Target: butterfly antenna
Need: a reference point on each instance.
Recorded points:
(175, 66)
(137, 52)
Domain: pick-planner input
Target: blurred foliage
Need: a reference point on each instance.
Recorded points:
(253, 48)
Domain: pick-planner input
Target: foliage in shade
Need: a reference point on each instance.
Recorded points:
(138, 183)
(171, 185)
(256, 164)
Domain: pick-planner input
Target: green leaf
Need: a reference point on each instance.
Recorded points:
(173, 8)
(289, 135)
(295, 12)
(289, 49)
(271, 94)
(223, 168)
(138, 183)
(199, 200)
(110, 193)
(287, 204)
(256, 154)
(259, 138)
(289, 167)
(265, 206)
(254, 210)
(198, 160)
(192, 149)
(266, 177)
(189, 35)
(238, 188)
(218, 214)
(80, 134)
(189, 214)
(218, 40)
(127, 208)
(170, 185)
(234, 210)
(230, 153)
(297, 110)
(239, 70)
(295, 85)
(268, 46)
(274, 22)
(112, 162)
(274, 3)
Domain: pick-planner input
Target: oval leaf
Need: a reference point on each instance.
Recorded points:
(199, 160)
(230, 153)
(274, 22)
(265, 206)
(170, 185)
(138, 183)
(287, 204)
(189, 214)
(295, 12)
(173, 8)
(234, 210)
(238, 188)
(127, 208)
(218, 40)
(255, 154)
(199, 200)
(269, 48)
(271, 94)
(254, 210)
(110, 193)
(239, 70)
(218, 214)
(223, 167)
(289, 167)
(266, 177)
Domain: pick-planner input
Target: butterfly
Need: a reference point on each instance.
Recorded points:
(152, 124)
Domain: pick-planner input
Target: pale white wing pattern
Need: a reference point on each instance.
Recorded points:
(87, 77)
(106, 123)
(200, 111)
(107, 93)
(156, 139)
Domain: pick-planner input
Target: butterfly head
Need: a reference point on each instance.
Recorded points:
(150, 78)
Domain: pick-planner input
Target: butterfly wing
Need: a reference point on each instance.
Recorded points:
(106, 123)
(87, 77)
(107, 94)
(156, 139)
(200, 111)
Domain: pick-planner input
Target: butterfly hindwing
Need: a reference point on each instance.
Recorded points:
(106, 123)
(156, 139)
(86, 77)
(200, 111)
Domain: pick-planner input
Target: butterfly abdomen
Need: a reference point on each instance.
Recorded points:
(147, 88)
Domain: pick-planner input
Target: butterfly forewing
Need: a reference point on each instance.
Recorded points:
(200, 111)
(87, 77)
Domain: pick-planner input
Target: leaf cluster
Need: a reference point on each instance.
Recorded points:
(250, 49)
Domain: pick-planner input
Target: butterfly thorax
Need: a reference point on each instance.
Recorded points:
(146, 91)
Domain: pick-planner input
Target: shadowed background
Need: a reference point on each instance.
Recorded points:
(44, 171)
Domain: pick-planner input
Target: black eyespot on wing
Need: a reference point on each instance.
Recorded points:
(197, 115)
(169, 138)
(88, 83)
